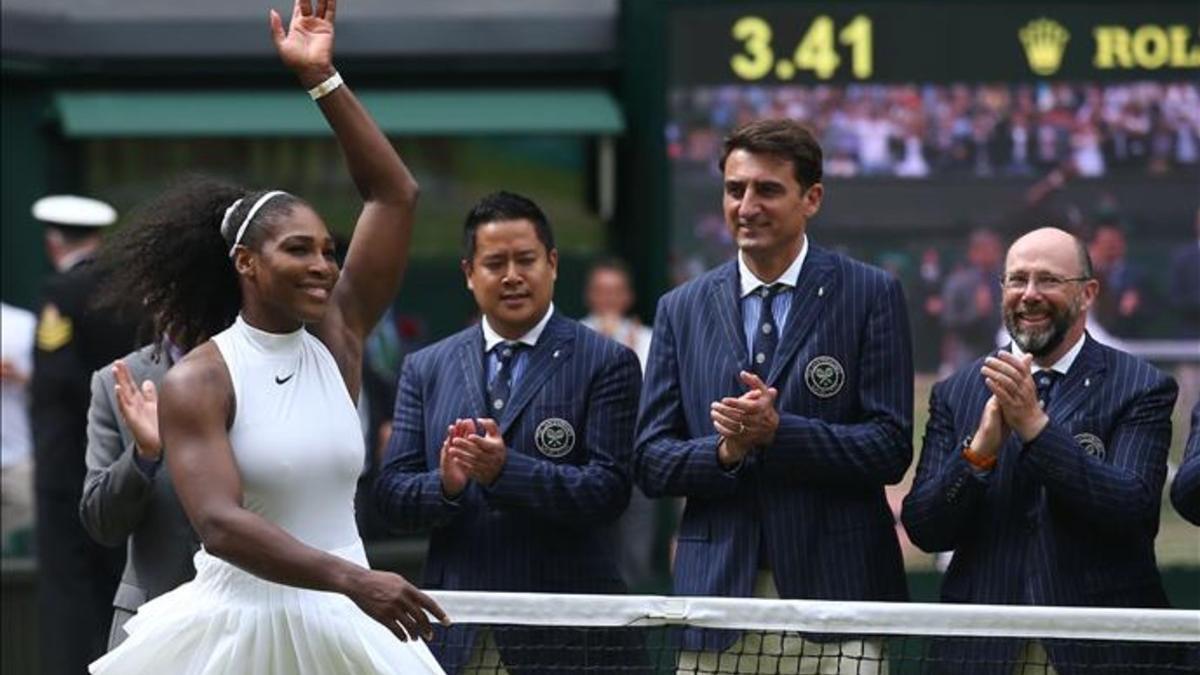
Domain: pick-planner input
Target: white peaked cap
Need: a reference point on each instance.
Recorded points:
(73, 211)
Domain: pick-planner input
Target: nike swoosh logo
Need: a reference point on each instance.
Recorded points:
(281, 380)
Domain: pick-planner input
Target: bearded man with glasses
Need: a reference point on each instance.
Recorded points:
(1043, 466)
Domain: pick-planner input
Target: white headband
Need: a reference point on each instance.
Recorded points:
(249, 216)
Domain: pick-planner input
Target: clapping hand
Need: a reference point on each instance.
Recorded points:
(454, 474)
(747, 421)
(1010, 379)
(139, 409)
(991, 433)
(481, 456)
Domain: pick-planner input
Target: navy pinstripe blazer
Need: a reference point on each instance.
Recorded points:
(816, 495)
(1185, 489)
(545, 525)
(1076, 509)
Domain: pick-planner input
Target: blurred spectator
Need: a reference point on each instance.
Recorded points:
(970, 302)
(874, 131)
(928, 312)
(16, 444)
(1185, 304)
(1185, 284)
(77, 577)
(609, 298)
(1016, 139)
(1119, 306)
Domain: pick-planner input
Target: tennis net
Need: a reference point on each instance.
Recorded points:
(520, 633)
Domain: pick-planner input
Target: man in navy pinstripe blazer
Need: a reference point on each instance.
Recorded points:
(1185, 495)
(1185, 489)
(778, 400)
(1043, 465)
(512, 441)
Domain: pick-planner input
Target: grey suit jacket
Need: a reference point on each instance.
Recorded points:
(121, 504)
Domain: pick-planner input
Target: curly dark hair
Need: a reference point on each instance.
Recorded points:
(171, 262)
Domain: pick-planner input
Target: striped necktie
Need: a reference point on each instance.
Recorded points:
(500, 386)
(766, 335)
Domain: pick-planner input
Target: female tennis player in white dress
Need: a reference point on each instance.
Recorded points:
(259, 425)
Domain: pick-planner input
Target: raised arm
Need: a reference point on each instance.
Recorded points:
(379, 248)
(194, 408)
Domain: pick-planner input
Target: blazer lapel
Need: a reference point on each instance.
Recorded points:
(470, 361)
(552, 350)
(724, 294)
(812, 294)
(1080, 382)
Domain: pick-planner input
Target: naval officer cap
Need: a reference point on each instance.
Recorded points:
(73, 211)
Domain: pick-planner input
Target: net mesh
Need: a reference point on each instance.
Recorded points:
(521, 633)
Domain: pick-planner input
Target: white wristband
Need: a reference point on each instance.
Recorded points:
(326, 87)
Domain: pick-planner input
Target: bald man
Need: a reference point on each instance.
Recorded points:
(1043, 467)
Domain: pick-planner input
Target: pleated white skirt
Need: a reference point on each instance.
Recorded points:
(227, 620)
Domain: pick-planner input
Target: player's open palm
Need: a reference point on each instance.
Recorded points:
(307, 45)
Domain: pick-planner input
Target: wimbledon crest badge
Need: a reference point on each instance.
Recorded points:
(555, 437)
(824, 376)
(1091, 444)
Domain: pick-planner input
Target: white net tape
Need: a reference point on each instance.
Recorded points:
(873, 618)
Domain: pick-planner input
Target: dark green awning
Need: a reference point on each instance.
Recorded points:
(109, 114)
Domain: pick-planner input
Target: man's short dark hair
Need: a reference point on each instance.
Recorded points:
(782, 138)
(500, 206)
(1085, 258)
(610, 263)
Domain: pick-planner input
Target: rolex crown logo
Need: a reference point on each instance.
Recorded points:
(1044, 40)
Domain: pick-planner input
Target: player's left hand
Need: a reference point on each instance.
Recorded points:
(1010, 380)
(481, 456)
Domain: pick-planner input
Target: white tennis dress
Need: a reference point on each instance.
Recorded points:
(299, 449)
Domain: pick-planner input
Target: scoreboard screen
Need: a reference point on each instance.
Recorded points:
(939, 119)
(813, 42)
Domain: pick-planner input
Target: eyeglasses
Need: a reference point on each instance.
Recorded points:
(1042, 283)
